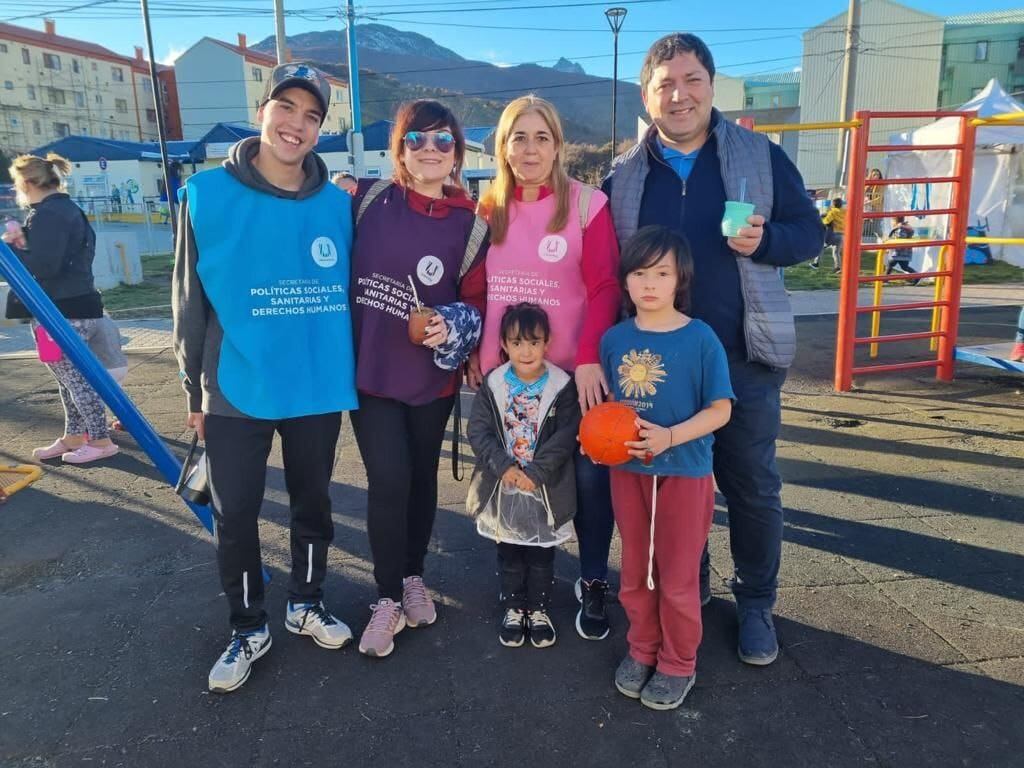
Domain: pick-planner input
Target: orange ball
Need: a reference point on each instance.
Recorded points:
(604, 429)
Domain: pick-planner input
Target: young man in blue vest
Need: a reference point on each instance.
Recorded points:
(262, 333)
(690, 162)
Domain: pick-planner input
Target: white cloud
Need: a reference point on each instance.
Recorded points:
(172, 54)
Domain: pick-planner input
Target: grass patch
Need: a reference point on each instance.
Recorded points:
(803, 278)
(153, 291)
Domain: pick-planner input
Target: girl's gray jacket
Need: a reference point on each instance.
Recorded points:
(552, 468)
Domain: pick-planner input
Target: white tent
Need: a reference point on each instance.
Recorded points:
(997, 167)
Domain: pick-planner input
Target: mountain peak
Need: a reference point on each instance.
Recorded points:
(371, 37)
(564, 65)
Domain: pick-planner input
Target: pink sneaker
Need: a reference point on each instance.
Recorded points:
(379, 636)
(52, 451)
(88, 453)
(419, 608)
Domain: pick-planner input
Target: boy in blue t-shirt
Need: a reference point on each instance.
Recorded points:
(672, 370)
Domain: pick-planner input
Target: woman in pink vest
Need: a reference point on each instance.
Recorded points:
(553, 244)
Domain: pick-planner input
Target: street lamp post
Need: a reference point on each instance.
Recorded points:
(615, 18)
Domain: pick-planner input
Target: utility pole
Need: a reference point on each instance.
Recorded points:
(355, 145)
(616, 17)
(161, 132)
(282, 41)
(847, 88)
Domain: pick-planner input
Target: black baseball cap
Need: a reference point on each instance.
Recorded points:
(299, 75)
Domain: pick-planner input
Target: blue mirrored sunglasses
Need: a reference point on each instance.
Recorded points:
(443, 141)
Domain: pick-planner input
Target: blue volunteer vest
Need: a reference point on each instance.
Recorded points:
(276, 272)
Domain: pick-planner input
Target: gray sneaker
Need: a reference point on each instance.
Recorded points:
(234, 665)
(632, 676)
(666, 691)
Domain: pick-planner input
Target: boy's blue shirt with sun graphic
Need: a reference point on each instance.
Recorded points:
(668, 377)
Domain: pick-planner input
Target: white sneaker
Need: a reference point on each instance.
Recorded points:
(233, 667)
(316, 621)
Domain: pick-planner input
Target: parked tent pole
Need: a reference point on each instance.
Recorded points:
(161, 133)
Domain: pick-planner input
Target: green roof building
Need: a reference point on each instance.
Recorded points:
(977, 47)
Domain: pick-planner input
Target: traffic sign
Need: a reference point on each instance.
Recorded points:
(103, 163)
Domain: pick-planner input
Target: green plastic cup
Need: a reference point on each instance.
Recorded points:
(735, 217)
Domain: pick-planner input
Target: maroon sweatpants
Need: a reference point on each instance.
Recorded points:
(664, 622)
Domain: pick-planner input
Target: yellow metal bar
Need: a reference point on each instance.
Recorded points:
(30, 475)
(1006, 117)
(996, 240)
(876, 316)
(783, 127)
(937, 311)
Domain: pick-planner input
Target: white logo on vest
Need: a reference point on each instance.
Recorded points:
(553, 248)
(324, 253)
(430, 270)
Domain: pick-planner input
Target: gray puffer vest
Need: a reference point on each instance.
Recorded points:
(768, 326)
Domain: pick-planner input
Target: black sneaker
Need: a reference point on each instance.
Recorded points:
(592, 620)
(542, 631)
(512, 630)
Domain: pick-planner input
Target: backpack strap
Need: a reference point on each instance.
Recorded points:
(586, 193)
(372, 194)
(476, 239)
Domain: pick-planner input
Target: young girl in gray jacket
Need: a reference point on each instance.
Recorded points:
(523, 490)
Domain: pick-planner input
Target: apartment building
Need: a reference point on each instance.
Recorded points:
(53, 86)
(978, 47)
(223, 83)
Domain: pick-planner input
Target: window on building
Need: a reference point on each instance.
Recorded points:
(75, 67)
(151, 115)
(8, 85)
(83, 129)
(3, 48)
(99, 99)
(257, 74)
(15, 122)
(79, 99)
(776, 101)
(748, 102)
(31, 93)
(62, 129)
(94, 67)
(51, 61)
(147, 85)
(37, 127)
(117, 74)
(26, 57)
(948, 74)
(121, 105)
(981, 50)
(56, 95)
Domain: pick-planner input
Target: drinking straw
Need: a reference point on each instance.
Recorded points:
(743, 189)
(415, 295)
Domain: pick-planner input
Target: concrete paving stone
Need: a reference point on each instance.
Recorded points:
(801, 566)
(931, 716)
(834, 630)
(844, 506)
(1005, 670)
(996, 535)
(984, 622)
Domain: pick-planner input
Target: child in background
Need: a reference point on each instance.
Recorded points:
(672, 369)
(523, 490)
(899, 258)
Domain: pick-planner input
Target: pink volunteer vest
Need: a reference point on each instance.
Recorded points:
(543, 268)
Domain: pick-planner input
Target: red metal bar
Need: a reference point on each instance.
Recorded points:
(895, 367)
(913, 147)
(949, 322)
(911, 244)
(893, 278)
(894, 214)
(901, 307)
(847, 321)
(897, 337)
(915, 180)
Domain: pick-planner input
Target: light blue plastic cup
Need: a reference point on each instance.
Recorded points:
(735, 217)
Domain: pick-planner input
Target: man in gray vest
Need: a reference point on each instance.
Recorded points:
(680, 175)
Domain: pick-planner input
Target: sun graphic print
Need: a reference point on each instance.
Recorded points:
(640, 372)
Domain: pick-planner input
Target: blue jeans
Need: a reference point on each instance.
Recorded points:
(745, 469)
(594, 520)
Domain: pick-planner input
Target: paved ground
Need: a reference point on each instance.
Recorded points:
(901, 610)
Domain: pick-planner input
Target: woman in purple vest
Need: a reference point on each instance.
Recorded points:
(417, 243)
(553, 243)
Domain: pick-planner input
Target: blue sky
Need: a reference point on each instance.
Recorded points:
(746, 36)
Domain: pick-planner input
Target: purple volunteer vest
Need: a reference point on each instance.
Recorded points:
(392, 242)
